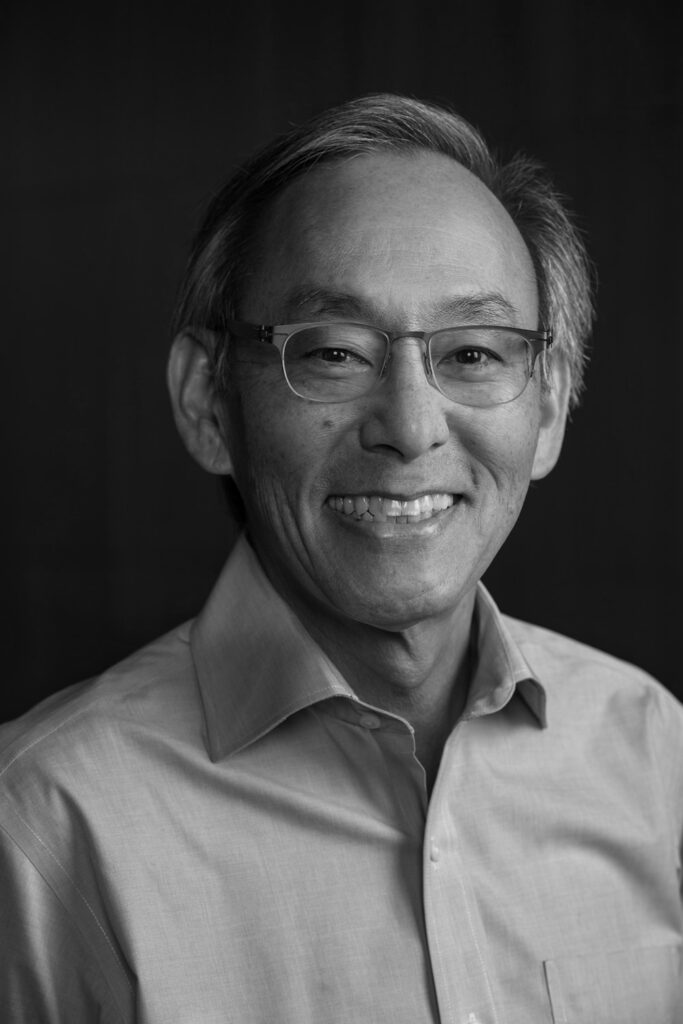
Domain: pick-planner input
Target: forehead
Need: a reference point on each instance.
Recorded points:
(387, 231)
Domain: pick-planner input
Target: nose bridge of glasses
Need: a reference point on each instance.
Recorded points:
(421, 337)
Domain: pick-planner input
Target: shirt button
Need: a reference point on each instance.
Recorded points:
(472, 1019)
(369, 721)
(434, 852)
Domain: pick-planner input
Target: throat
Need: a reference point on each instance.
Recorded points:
(433, 726)
(420, 672)
(423, 679)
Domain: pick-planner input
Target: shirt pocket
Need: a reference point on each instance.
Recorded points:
(630, 986)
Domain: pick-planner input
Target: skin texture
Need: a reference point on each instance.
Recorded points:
(405, 242)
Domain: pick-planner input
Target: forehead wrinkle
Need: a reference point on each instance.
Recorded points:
(476, 306)
(312, 300)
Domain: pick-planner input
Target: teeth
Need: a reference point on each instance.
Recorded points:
(361, 505)
(380, 510)
(376, 506)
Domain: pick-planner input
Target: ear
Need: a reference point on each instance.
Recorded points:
(197, 408)
(554, 405)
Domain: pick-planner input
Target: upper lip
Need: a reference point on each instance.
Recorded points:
(392, 495)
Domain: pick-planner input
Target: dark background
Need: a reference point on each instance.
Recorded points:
(120, 124)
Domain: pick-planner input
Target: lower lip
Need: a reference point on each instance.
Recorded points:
(395, 530)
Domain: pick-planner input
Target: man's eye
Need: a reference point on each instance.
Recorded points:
(476, 357)
(340, 356)
(471, 357)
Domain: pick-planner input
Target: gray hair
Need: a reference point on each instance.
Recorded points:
(222, 254)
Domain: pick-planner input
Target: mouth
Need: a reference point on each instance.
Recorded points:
(381, 509)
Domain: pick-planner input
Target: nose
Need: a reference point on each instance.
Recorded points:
(406, 414)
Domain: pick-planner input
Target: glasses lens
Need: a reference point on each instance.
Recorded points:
(480, 365)
(333, 362)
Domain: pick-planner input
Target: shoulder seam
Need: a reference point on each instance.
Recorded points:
(39, 739)
(59, 864)
(59, 899)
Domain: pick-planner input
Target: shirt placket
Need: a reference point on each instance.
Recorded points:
(455, 935)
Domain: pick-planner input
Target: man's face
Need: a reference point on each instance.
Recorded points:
(406, 243)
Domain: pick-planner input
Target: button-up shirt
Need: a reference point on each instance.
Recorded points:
(218, 831)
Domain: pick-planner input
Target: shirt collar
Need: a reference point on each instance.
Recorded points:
(501, 667)
(256, 664)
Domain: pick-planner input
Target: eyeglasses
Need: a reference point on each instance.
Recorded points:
(338, 362)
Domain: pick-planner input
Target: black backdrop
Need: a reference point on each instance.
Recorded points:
(119, 125)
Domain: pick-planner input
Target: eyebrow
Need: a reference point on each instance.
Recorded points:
(315, 301)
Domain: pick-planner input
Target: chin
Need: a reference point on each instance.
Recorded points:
(398, 610)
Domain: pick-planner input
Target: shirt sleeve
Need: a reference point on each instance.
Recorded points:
(49, 974)
(668, 743)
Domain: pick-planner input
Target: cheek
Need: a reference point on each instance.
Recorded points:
(503, 453)
(284, 448)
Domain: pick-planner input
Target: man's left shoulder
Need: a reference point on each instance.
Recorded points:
(573, 670)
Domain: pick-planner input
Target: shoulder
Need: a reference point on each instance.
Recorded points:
(586, 685)
(561, 660)
(82, 776)
(85, 724)
(562, 656)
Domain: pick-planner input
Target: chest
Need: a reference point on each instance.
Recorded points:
(322, 886)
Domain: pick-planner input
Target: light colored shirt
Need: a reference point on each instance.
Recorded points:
(217, 831)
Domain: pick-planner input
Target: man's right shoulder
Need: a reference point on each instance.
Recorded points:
(158, 679)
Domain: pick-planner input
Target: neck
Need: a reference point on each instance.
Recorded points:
(421, 673)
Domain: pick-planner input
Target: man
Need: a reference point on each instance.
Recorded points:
(351, 790)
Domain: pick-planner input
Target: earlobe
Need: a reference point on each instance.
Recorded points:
(554, 405)
(196, 407)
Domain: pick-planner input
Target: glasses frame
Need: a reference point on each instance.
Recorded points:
(538, 342)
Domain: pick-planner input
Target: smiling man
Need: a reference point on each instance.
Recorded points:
(351, 790)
